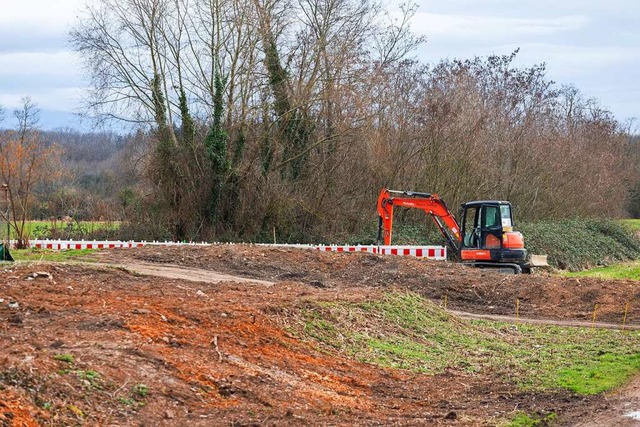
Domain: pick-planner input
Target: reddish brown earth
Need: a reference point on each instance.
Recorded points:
(465, 289)
(212, 352)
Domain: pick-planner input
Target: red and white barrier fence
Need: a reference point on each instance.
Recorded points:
(61, 245)
(430, 252)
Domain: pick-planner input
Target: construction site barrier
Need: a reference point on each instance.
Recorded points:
(430, 252)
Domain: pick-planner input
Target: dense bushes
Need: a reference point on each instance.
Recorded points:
(578, 244)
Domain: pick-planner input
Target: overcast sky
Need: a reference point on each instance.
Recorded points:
(592, 44)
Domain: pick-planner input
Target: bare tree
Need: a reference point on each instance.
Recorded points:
(25, 163)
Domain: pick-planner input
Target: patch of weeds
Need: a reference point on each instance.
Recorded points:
(126, 401)
(133, 401)
(633, 225)
(90, 377)
(140, 390)
(35, 254)
(68, 358)
(321, 330)
(77, 411)
(523, 419)
(396, 354)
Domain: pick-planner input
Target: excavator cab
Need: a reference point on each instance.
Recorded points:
(487, 236)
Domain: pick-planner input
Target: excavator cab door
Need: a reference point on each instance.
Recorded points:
(471, 235)
(491, 227)
(482, 224)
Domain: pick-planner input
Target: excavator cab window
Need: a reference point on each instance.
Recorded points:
(482, 225)
(491, 230)
(470, 230)
(505, 215)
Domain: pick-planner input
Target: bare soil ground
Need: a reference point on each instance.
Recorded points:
(91, 345)
(466, 289)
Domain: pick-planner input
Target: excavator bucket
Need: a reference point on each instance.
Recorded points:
(4, 253)
(538, 261)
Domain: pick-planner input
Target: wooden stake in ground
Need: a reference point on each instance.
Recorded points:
(517, 310)
(593, 319)
(624, 318)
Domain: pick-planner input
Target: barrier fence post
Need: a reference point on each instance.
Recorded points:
(593, 319)
(517, 310)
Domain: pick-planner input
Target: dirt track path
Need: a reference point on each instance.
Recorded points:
(550, 322)
(184, 273)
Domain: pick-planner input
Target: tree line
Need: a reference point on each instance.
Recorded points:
(288, 116)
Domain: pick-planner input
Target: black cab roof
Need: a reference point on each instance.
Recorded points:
(477, 203)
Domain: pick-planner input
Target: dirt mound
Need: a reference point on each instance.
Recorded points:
(101, 346)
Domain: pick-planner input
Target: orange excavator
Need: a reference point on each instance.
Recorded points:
(485, 238)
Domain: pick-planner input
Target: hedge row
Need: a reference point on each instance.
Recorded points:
(579, 244)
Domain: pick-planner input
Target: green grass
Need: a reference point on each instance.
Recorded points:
(61, 229)
(68, 358)
(50, 255)
(632, 224)
(604, 373)
(627, 270)
(525, 420)
(405, 331)
(140, 390)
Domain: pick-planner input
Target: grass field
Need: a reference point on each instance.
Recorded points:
(50, 255)
(62, 229)
(407, 331)
(625, 270)
(632, 224)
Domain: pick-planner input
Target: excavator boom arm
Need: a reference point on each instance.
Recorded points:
(431, 204)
